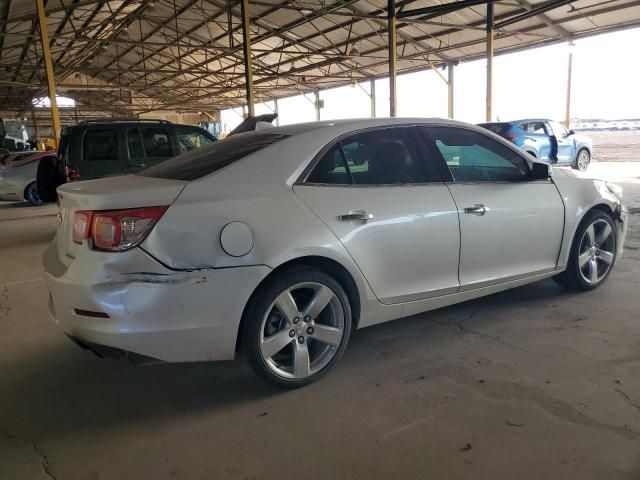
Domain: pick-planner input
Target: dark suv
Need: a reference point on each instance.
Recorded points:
(107, 148)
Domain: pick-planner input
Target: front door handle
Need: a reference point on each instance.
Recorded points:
(355, 216)
(477, 209)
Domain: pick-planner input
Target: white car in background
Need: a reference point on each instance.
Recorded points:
(280, 243)
(18, 171)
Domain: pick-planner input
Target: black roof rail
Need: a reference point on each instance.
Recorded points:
(123, 120)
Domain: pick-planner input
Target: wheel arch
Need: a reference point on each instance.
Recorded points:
(324, 264)
(26, 189)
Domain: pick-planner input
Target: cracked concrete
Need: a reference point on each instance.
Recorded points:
(532, 383)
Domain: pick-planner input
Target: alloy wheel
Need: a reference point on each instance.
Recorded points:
(302, 330)
(597, 251)
(583, 160)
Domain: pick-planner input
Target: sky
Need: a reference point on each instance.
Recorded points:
(605, 84)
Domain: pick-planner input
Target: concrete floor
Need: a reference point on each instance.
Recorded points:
(528, 384)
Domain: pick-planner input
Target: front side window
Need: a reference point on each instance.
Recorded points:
(558, 129)
(100, 145)
(190, 139)
(376, 157)
(473, 157)
(156, 142)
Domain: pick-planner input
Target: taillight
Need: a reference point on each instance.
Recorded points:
(81, 225)
(72, 174)
(117, 230)
(511, 138)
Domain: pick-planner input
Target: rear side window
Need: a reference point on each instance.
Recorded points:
(100, 145)
(497, 128)
(377, 157)
(204, 161)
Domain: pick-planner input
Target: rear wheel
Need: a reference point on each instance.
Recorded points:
(31, 195)
(297, 327)
(582, 160)
(592, 254)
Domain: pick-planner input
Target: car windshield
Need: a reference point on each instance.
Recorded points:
(206, 160)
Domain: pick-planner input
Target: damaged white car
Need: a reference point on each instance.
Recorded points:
(280, 243)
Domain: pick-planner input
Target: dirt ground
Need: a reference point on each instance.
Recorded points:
(620, 146)
(531, 383)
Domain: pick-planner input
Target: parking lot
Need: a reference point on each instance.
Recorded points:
(530, 383)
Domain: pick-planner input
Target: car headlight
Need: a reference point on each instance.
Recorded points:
(615, 189)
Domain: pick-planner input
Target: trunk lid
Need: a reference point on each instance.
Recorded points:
(115, 193)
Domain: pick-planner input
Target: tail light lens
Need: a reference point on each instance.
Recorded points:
(511, 138)
(116, 230)
(72, 174)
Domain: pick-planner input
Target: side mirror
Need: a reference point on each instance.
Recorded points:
(571, 132)
(541, 171)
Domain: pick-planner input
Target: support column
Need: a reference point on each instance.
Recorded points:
(489, 103)
(450, 89)
(393, 53)
(275, 110)
(316, 96)
(372, 96)
(246, 49)
(567, 112)
(48, 64)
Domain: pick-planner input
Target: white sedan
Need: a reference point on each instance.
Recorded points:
(279, 243)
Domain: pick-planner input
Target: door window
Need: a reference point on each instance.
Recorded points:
(134, 144)
(100, 145)
(558, 130)
(190, 139)
(534, 127)
(474, 157)
(377, 157)
(156, 142)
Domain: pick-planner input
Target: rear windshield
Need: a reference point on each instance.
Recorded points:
(203, 161)
(499, 128)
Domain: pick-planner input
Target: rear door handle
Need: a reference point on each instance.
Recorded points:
(477, 209)
(355, 215)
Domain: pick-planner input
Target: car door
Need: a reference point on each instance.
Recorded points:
(147, 145)
(393, 213)
(511, 226)
(565, 142)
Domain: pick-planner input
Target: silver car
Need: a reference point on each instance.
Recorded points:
(280, 243)
(18, 173)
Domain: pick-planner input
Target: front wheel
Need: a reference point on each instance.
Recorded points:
(297, 327)
(31, 195)
(582, 160)
(592, 255)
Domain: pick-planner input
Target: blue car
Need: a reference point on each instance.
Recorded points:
(546, 140)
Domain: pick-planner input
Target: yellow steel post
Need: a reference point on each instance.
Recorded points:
(567, 112)
(393, 51)
(48, 64)
(246, 48)
(489, 60)
(450, 89)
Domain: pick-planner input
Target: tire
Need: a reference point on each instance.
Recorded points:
(276, 332)
(583, 159)
(592, 241)
(31, 195)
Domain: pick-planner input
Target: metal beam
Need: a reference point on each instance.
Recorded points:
(246, 49)
(533, 12)
(438, 10)
(567, 112)
(489, 101)
(393, 53)
(51, 81)
(372, 96)
(316, 96)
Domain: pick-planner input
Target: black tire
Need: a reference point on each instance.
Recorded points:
(579, 164)
(572, 278)
(31, 195)
(260, 306)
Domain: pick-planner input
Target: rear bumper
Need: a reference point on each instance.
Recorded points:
(173, 316)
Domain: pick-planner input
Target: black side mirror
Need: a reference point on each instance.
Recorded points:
(541, 171)
(571, 132)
